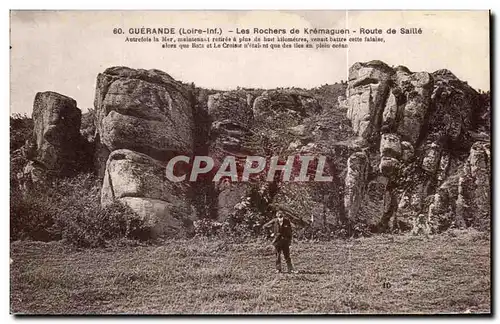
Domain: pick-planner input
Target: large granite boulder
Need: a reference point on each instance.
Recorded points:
(143, 110)
(415, 92)
(366, 94)
(56, 131)
(145, 118)
(56, 148)
(139, 181)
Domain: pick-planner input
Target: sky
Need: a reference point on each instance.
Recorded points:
(63, 51)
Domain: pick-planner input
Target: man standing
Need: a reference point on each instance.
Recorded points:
(282, 231)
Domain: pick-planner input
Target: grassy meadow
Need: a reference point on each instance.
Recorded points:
(447, 273)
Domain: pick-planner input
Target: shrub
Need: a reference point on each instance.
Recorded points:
(70, 209)
(21, 129)
(207, 227)
(95, 227)
(31, 216)
(87, 128)
(239, 226)
(244, 224)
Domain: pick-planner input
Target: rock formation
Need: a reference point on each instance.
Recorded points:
(144, 118)
(474, 187)
(56, 148)
(231, 120)
(138, 181)
(147, 111)
(407, 151)
(403, 166)
(421, 124)
(56, 128)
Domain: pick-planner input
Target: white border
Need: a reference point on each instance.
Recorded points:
(191, 5)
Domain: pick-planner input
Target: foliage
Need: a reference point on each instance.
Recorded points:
(243, 224)
(95, 228)
(88, 128)
(69, 209)
(31, 216)
(21, 129)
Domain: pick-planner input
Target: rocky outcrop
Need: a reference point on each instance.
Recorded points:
(454, 103)
(261, 126)
(414, 91)
(463, 199)
(56, 130)
(366, 94)
(419, 122)
(139, 181)
(355, 183)
(57, 148)
(407, 151)
(474, 188)
(232, 119)
(143, 110)
(144, 118)
(401, 168)
(298, 102)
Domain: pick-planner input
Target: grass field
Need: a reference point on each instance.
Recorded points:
(448, 273)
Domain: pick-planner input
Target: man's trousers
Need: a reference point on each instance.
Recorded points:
(283, 247)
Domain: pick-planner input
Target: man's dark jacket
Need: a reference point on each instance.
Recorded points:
(283, 233)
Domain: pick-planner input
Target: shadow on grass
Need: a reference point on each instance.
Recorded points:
(313, 272)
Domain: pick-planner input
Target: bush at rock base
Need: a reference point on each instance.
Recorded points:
(69, 209)
(31, 216)
(21, 129)
(239, 227)
(97, 229)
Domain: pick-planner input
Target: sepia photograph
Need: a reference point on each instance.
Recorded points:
(259, 162)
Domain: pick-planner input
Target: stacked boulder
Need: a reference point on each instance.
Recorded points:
(144, 118)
